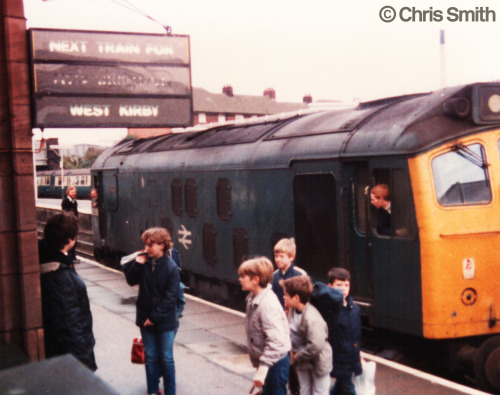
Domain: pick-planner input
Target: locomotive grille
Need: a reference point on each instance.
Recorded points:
(191, 198)
(177, 197)
(209, 244)
(240, 246)
(224, 210)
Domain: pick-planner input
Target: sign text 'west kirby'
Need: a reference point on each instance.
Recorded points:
(103, 110)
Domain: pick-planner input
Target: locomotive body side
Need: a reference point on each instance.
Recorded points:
(231, 192)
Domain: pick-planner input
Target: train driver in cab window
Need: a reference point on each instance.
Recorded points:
(381, 199)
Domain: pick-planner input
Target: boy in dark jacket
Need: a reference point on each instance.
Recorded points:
(67, 320)
(345, 336)
(284, 255)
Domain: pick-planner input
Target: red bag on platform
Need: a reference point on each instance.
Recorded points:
(137, 351)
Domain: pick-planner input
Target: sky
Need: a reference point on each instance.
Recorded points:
(330, 49)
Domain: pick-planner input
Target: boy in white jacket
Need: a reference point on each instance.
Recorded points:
(268, 336)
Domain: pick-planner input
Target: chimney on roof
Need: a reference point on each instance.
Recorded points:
(228, 90)
(307, 99)
(270, 93)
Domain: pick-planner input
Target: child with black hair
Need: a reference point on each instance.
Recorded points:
(345, 336)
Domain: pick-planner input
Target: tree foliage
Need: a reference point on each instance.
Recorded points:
(85, 162)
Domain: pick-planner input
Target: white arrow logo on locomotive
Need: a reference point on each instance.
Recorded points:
(184, 233)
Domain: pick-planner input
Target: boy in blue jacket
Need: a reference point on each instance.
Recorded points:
(345, 336)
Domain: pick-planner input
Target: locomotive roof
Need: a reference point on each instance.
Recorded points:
(403, 125)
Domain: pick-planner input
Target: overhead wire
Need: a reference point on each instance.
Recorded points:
(132, 7)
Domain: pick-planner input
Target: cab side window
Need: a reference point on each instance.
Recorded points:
(392, 203)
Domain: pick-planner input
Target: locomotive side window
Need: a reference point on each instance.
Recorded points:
(391, 202)
(191, 198)
(402, 206)
(461, 176)
(224, 210)
(110, 186)
(362, 199)
(176, 189)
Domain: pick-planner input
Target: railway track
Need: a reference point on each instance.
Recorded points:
(84, 245)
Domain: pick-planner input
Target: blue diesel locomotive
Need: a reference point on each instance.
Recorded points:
(232, 191)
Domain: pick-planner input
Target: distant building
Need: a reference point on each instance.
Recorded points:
(45, 157)
(49, 158)
(226, 106)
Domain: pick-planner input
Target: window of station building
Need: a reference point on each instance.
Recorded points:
(209, 244)
(398, 218)
(176, 189)
(202, 117)
(224, 210)
(240, 246)
(461, 176)
(191, 198)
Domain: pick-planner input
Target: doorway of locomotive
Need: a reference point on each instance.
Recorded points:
(315, 221)
(326, 208)
(356, 230)
(384, 265)
(105, 182)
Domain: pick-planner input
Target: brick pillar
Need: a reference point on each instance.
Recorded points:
(20, 307)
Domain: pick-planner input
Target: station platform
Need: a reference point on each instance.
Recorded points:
(210, 346)
(55, 204)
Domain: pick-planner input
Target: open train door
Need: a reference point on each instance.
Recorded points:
(355, 233)
(315, 215)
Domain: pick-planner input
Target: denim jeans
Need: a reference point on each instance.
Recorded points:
(159, 352)
(343, 386)
(277, 377)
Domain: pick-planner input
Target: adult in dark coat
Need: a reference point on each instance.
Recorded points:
(70, 204)
(158, 279)
(67, 319)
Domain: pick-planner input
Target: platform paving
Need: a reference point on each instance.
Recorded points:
(210, 352)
